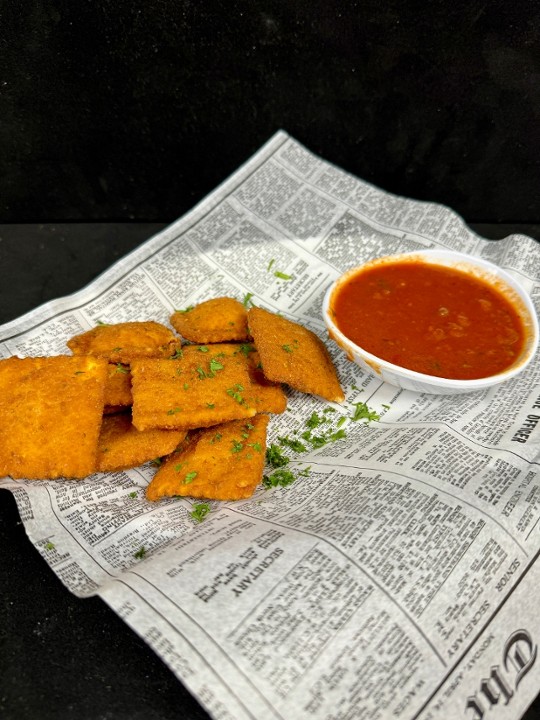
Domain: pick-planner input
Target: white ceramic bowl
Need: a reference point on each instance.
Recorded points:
(420, 382)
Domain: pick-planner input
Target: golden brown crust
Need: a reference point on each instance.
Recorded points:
(122, 342)
(204, 387)
(224, 462)
(122, 446)
(218, 320)
(50, 415)
(118, 386)
(294, 355)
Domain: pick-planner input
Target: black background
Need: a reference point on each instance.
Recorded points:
(135, 109)
(132, 111)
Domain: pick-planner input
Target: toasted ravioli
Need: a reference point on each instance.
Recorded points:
(266, 396)
(213, 321)
(199, 389)
(118, 386)
(122, 446)
(50, 415)
(224, 462)
(122, 342)
(294, 355)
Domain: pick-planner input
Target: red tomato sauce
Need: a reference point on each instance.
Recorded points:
(431, 319)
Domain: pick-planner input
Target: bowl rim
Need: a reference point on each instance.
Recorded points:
(498, 273)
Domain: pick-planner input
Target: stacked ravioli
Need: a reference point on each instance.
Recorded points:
(197, 402)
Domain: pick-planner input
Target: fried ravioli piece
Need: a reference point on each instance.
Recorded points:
(294, 355)
(266, 396)
(122, 446)
(199, 389)
(50, 415)
(224, 462)
(118, 386)
(122, 342)
(218, 320)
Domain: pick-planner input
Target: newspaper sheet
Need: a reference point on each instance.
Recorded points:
(397, 577)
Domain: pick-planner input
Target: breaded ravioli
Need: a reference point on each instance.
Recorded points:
(294, 355)
(122, 446)
(118, 386)
(265, 395)
(224, 462)
(199, 389)
(122, 342)
(50, 415)
(268, 396)
(222, 319)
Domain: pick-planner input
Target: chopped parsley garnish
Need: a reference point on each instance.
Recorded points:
(177, 354)
(236, 446)
(234, 392)
(293, 444)
(215, 365)
(190, 477)
(141, 552)
(50, 546)
(279, 478)
(178, 467)
(210, 405)
(186, 310)
(315, 420)
(272, 261)
(246, 302)
(246, 349)
(217, 437)
(173, 411)
(275, 457)
(362, 412)
(156, 461)
(203, 349)
(121, 368)
(100, 322)
(132, 495)
(287, 348)
(200, 511)
(186, 386)
(201, 372)
(282, 275)
(256, 446)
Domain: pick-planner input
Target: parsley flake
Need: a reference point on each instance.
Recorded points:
(215, 365)
(246, 302)
(173, 411)
(275, 457)
(141, 552)
(282, 275)
(200, 511)
(279, 478)
(190, 477)
(362, 412)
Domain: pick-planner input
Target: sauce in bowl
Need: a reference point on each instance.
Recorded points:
(433, 319)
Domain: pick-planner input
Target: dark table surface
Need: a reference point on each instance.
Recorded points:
(60, 656)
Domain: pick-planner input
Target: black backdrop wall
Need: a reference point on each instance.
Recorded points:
(135, 109)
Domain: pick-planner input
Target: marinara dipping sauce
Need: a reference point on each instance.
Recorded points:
(430, 318)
